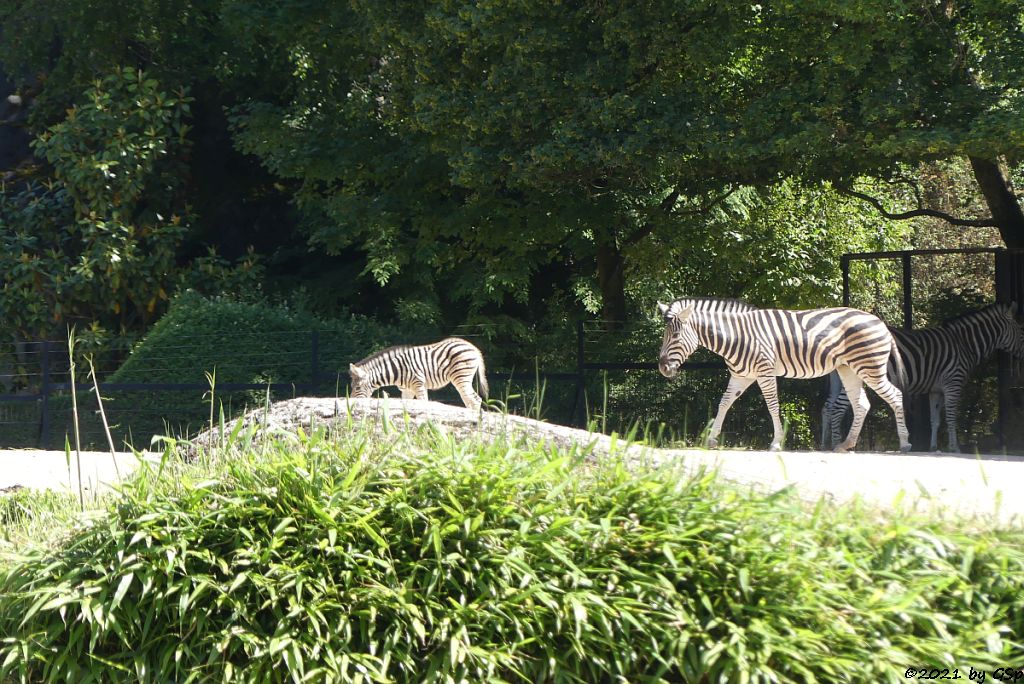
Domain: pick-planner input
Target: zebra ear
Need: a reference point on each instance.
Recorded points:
(662, 308)
(354, 371)
(684, 314)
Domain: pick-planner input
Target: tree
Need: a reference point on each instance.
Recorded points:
(510, 134)
(97, 244)
(468, 149)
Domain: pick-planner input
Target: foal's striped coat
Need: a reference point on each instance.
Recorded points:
(762, 344)
(416, 369)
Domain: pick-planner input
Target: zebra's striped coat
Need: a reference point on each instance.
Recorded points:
(759, 345)
(416, 369)
(939, 361)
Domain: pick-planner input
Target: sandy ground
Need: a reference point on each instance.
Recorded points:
(987, 489)
(49, 469)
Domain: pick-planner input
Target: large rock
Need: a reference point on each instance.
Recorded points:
(283, 418)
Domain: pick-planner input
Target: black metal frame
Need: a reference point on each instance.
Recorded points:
(1009, 287)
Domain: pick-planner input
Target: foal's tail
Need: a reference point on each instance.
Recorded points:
(480, 374)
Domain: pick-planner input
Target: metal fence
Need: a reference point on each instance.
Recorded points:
(598, 385)
(600, 374)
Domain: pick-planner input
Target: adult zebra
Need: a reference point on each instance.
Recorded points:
(416, 369)
(938, 361)
(759, 345)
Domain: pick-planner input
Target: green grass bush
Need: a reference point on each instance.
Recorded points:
(420, 558)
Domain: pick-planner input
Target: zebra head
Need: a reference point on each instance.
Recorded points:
(680, 340)
(361, 387)
(1011, 335)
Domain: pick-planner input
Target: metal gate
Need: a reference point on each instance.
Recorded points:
(1009, 288)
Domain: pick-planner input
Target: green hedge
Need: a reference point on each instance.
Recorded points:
(246, 342)
(238, 341)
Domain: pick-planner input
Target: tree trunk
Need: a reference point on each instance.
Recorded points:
(612, 281)
(1001, 200)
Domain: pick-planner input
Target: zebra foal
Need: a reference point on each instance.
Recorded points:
(939, 361)
(759, 345)
(416, 369)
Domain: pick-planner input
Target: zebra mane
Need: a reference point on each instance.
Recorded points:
(711, 304)
(377, 354)
(968, 317)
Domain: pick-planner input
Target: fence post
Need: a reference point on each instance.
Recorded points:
(908, 293)
(1004, 293)
(580, 407)
(44, 420)
(844, 264)
(314, 361)
(917, 410)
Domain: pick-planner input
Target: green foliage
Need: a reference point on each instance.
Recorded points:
(777, 247)
(245, 342)
(37, 517)
(99, 243)
(111, 150)
(419, 558)
(71, 41)
(212, 275)
(470, 159)
(489, 142)
(35, 243)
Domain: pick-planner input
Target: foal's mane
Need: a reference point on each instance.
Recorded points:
(377, 354)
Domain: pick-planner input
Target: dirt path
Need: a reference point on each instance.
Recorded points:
(989, 489)
(49, 469)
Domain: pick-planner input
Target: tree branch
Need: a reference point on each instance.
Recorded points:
(666, 207)
(670, 201)
(709, 206)
(914, 213)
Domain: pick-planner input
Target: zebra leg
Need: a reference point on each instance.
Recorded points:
(737, 386)
(826, 435)
(470, 398)
(419, 389)
(934, 404)
(770, 390)
(407, 393)
(892, 395)
(838, 413)
(833, 411)
(952, 406)
(859, 401)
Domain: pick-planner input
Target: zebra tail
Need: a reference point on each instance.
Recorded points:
(896, 359)
(480, 370)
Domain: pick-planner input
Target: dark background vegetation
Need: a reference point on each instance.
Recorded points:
(393, 171)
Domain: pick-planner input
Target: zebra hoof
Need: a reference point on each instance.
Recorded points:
(904, 448)
(775, 447)
(712, 443)
(843, 449)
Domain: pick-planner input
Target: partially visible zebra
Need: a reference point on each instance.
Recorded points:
(762, 344)
(416, 369)
(938, 361)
